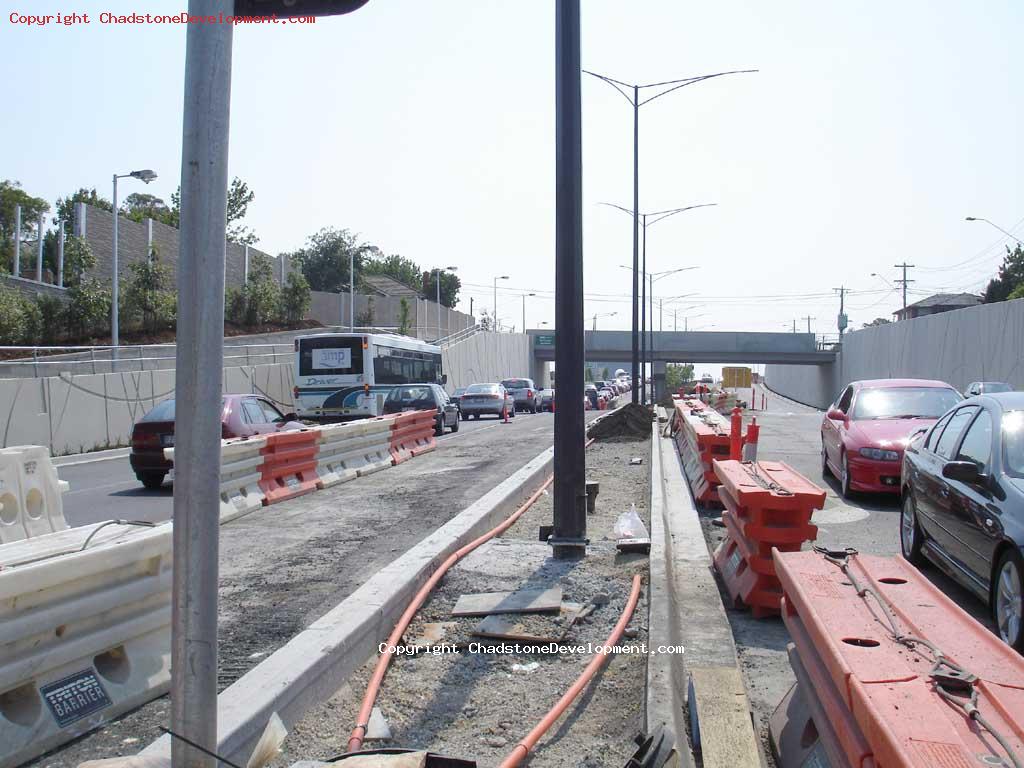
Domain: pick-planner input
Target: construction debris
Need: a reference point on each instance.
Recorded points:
(530, 630)
(523, 601)
(432, 634)
(630, 422)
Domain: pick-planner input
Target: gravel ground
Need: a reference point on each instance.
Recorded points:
(477, 704)
(285, 566)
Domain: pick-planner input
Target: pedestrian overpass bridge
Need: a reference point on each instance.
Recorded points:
(739, 347)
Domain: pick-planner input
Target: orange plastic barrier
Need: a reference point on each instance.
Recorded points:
(289, 465)
(884, 697)
(768, 506)
(412, 433)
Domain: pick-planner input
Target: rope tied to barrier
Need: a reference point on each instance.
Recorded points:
(953, 682)
(767, 483)
(101, 526)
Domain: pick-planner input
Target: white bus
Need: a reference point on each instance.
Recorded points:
(345, 376)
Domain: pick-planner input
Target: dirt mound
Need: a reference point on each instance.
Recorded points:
(630, 422)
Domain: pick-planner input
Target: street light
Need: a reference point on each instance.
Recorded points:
(439, 271)
(634, 101)
(656, 217)
(144, 176)
(603, 314)
(980, 218)
(494, 317)
(524, 309)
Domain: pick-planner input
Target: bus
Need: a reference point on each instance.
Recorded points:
(346, 376)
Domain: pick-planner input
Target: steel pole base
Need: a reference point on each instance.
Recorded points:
(568, 549)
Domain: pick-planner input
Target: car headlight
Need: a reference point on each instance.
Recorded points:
(879, 455)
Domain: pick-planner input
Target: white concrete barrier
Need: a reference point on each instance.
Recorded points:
(86, 633)
(351, 450)
(30, 494)
(240, 462)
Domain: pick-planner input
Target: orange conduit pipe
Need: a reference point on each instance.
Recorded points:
(355, 741)
(524, 747)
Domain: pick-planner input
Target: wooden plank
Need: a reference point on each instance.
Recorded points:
(522, 601)
(727, 738)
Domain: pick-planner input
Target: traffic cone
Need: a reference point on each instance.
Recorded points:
(504, 413)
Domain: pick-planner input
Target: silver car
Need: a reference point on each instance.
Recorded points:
(525, 392)
(491, 399)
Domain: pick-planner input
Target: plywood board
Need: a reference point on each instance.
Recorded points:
(522, 601)
(727, 738)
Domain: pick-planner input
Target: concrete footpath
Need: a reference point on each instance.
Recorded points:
(286, 565)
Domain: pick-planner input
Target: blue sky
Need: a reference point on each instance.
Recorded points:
(870, 132)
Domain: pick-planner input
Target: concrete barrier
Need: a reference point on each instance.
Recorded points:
(30, 494)
(315, 663)
(86, 633)
(241, 462)
(351, 450)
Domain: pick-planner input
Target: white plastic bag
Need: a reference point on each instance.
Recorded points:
(630, 526)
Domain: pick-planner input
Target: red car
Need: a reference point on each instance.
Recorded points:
(866, 429)
(241, 416)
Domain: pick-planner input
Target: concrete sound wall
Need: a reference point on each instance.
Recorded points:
(486, 357)
(71, 414)
(983, 343)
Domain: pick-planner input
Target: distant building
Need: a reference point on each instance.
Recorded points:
(940, 302)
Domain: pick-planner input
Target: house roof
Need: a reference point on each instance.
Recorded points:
(387, 286)
(944, 300)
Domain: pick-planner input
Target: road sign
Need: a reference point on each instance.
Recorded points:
(292, 8)
(545, 339)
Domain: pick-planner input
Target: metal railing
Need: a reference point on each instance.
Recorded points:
(458, 336)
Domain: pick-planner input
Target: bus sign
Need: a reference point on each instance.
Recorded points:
(331, 358)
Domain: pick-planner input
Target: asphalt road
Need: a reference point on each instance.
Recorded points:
(103, 485)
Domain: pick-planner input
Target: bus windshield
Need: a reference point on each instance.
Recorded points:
(330, 356)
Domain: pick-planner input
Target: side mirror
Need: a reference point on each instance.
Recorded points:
(291, 416)
(964, 471)
(836, 415)
(444, 378)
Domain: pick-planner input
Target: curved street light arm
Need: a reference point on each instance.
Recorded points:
(665, 214)
(677, 84)
(614, 84)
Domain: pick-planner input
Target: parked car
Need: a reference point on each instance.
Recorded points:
(482, 399)
(457, 397)
(424, 397)
(547, 400)
(986, 388)
(864, 432)
(525, 392)
(590, 392)
(240, 416)
(608, 392)
(963, 503)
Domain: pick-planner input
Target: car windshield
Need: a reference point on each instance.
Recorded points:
(1013, 442)
(516, 383)
(411, 396)
(904, 403)
(995, 386)
(482, 389)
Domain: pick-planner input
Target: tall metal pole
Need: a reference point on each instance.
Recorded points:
(524, 313)
(198, 383)
(351, 291)
(636, 239)
(570, 500)
(39, 249)
(494, 315)
(643, 319)
(60, 254)
(439, 303)
(17, 241)
(114, 335)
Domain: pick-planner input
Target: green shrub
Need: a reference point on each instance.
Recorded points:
(53, 318)
(88, 310)
(295, 298)
(12, 318)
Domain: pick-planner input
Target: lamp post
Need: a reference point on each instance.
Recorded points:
(981, 218)
(603, 314)
(144, 176)
(656, 216)
(686, 320)
(439, 271)
(524, 309)
(494, 317)
(635, 102)
(670, 299)
(351, 291)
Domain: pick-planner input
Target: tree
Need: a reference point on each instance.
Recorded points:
(877, 321)
(78, 259)
(12, 320)
(51, 318)
(147, 295)
(1017, 293)
(366, 319)
(324, 260)
(397, 267)
(403, 316)
(676, 374)
(140, 205)
(450, 285)
(11, 196)
(239, 197)
(295, 298)
(66, 205)
(262, 293)
(88, 311)
(1010, 276)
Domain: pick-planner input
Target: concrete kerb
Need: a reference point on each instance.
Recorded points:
(312, 666)
(686, 608)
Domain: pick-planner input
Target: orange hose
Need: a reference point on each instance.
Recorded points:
(524, 747)
(355, 741)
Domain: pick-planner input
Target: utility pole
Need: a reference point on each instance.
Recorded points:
(794, 325)
(808, 318)
(841, 321)
(904, 266)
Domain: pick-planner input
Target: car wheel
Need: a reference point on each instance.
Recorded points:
(1007, 597)
(152, 480)
(476, 416)
(844, 478)
(439, 427)
(455, 426)
(826, 471)
(910, 531)
(465, 417)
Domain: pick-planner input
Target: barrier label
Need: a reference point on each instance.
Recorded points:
(76, 696)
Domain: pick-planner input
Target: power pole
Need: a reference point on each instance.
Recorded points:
(904, 266)
(808, 318)
(841, 323)
(794, 324)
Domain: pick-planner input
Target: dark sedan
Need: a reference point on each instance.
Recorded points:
(963, 503)
(424, 397)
